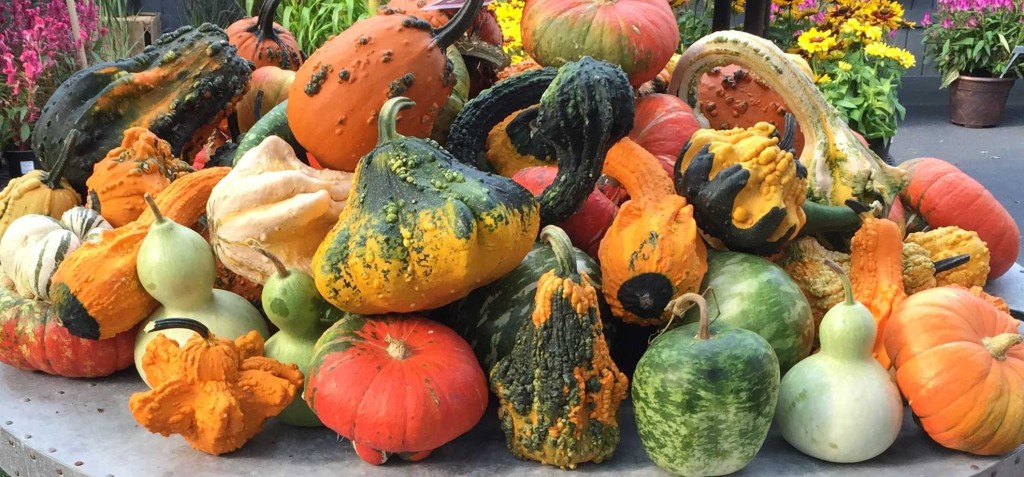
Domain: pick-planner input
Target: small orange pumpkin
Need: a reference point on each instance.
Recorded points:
(264, 42)
(960, 363)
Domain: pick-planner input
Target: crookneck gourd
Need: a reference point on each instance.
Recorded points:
(652, 252)
(746, 189)
(215, 392)
(559, 390)
(179, 88)
(876, 272)
(96, 290)
(142, 164)
(420, 229)
(40, 192)
(272, 197)
(583, 110)
(839, 166)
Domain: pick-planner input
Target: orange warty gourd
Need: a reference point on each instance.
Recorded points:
(876, 273)
(337, 94)
(960, 363)
(264, 42)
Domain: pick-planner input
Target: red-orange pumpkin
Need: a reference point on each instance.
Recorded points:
(960, 363)
(944, 195)
(662, 125)
(338, 92)
(732, 97)
(270, 84)
(264, 42)
(588, 225)
(638, 35)
(395, 384)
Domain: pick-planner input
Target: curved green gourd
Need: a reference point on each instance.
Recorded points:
(840, 405)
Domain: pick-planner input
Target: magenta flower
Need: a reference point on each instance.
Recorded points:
(927, 20)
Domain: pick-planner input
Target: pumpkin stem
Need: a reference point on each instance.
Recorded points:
(450, 33)
(282, 271)
(679, 306)
(397, 348)
(153, 207)
(999, 345)
(53, 177)
(847, 288)
(562, 246)
(371, 7)
(265, 20)
(789, 135)
(387, 123)
(257, 112)
(182, 323)
(951, 262)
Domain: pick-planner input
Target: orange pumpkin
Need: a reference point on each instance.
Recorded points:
(960, 363)
(264, 42)
(268, 87)
(730, 97)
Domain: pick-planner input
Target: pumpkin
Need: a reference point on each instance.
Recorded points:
(651, 254)
(638, 35)
(96, 290)
(178, 88)
(395, 384)
(420, 230)
(959, 362)
(945, 196)
(876, 271)
(559, 391)
(263, 42)
(40, 192)
(588, 225)
(271, 197)
(35, 264)
(338, 92)
(215, 392)
(268, 88)
(662, 125)
(747, 190)
(22, 233)
(840, 405)
(947, 242)
(839, 166)
(142, 164)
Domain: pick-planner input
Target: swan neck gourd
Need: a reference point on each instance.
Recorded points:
(175, 264)
(848, 329)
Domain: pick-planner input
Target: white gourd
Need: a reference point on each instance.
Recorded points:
(22, 232)
(38, 262)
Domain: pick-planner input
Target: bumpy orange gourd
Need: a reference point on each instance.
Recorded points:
(960, 363)
(651, 254)
(142, 164)
(264, 42)
(213, 391)
(876, 273)
(946, 242)
(96, 291)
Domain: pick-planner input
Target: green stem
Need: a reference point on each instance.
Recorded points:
(829, 218)
(450, 33)
(182, 323)
(847, 288)
(282, 271)
(153, 207)
(564, 254)
(53, 178)
(387, 124)
(371, 7)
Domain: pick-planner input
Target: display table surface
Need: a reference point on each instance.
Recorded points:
(54, 426)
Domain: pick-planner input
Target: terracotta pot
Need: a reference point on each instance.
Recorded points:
(978, 102)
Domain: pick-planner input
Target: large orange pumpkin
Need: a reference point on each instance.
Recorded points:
(662, 125)
(944, 196)
(264, 42)
(960, 362)
(337, 94)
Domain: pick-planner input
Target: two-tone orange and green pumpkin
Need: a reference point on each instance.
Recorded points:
(179, 88)
(421, 230)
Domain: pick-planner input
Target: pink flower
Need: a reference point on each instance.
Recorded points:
(947, 23)
(927, 20)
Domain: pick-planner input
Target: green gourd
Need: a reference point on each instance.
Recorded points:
(176, 266)
(840, 405)
(293, 304)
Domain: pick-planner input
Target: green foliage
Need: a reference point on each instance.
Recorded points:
(864, 89)
(117, 43)
(694, 19)
(219, 12)
(976, 41)
(313, 22)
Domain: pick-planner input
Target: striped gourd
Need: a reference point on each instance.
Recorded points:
(33, 271)
(83, 221)
(24, 231)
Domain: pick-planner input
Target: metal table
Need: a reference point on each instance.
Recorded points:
(53, 426)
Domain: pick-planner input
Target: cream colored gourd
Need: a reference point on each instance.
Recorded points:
(176, 266)
(271, 197)
(840, 405)
(23, 232)
(839, 166)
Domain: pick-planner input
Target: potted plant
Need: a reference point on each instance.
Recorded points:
(37, 53)
(971, 42)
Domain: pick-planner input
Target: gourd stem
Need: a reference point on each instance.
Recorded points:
(266, 20)
(950, 263)
(371, 7)
(562, 246)
(789, 135)
(282, 271)
(397, 348)
(847, 288)
(182, 323)
(257, 112)
(153, 207)
(236, 132)
(54, 176)
(999, 345)
(450, 33)
(387, 123)
(678, 306)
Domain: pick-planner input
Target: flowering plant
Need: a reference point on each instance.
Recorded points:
(37, 53)
(973, 37)
(510, 14)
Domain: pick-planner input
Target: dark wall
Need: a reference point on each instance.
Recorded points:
(172, 12)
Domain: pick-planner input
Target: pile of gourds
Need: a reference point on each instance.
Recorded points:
(576, 211)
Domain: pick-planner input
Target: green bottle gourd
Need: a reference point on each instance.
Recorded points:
(293, 304)
(840, 405)
(176, 267)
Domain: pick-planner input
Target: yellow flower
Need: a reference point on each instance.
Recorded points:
(825, 78)
(852, 25)
(509, 14)
(813, 41)
(876, 49)
(845, 66)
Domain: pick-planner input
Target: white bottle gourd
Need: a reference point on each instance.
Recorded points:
(840, 405)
